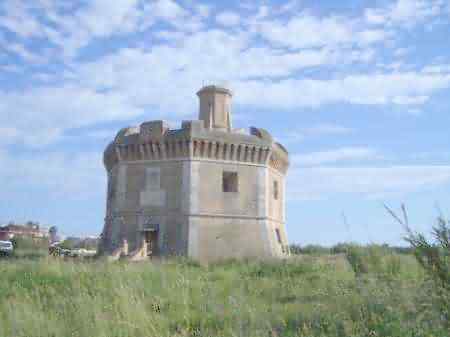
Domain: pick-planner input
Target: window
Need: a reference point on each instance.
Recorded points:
(230, 181)
(275, 190)
(277, 232)
(153, 180)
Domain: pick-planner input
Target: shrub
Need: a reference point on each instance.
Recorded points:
(30, 247)
(357, 258)
(434, 257)
(309, 249)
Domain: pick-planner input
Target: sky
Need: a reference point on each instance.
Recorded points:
(357, 91)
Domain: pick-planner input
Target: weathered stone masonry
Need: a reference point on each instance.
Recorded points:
(206, 191)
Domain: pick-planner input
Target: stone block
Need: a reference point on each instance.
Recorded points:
(155, 198)
(193, 126)
(154, 128)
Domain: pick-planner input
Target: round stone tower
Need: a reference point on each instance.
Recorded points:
(205, 190)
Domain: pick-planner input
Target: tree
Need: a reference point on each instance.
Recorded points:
(53, 234)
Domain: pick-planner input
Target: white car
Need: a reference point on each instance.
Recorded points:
(6, 248)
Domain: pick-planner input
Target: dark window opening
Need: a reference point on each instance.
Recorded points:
(230, 182)
(275, 190)
(277, 232)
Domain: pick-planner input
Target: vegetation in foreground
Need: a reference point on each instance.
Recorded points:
(368, 292)
(363, 291)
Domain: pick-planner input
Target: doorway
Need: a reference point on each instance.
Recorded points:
(151, 241)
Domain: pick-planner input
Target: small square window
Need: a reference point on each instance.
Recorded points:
(275, 190)
(230, 181)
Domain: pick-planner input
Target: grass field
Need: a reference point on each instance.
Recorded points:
(369, 292)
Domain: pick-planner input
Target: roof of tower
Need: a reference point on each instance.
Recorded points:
(215, 88)
(136, 138)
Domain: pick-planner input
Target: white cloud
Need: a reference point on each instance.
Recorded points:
(24, 53)
(162, 77)
(376, 89)
(367, 37)
(19, 20)
(437, 69)
(344, 154)
(263, 12)
(404, 12)
(328, 129)
(289, 6)
(203, 10)
(375, 16)
(8, 134)
(103, 17)
(102, 134)
(117, 88)
(93, 19)
(405, 100)
(414, 112)
(168, 9)
(401, 52)
(229, 58)
(228, 19)
(56, 174)
(306, 31)
(314, 131)
(170, 36)
(369, 182)
(411, 11)
(41, 115)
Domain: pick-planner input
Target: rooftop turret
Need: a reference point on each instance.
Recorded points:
(215, 107)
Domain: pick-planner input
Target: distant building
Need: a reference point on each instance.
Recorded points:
(30, 230)
(206, 191)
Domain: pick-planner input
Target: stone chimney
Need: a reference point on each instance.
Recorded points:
(215, 107)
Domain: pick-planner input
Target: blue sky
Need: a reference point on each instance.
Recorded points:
(357, 92)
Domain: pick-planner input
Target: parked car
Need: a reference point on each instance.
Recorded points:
(6, 248)
(55, 250)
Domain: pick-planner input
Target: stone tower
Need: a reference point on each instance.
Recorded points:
(215, 104)
(205, 190)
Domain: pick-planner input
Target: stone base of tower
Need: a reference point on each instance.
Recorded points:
(214, 238)
(207, 238)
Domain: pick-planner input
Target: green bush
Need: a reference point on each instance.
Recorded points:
(434, 257)
(357, 258)
(309, 249)
(30, 247)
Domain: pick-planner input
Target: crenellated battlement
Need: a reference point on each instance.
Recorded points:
(154, 141)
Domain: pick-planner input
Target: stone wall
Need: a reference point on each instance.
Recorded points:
(148, 192)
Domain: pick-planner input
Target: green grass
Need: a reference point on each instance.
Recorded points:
(379, 293)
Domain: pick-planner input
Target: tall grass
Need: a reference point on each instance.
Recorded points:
(434, 257)
(304, 296)
(30, 248)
